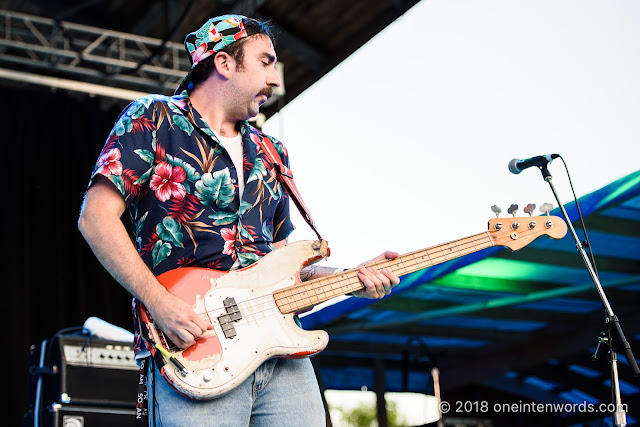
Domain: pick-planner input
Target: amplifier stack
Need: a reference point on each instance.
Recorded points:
(77, 381)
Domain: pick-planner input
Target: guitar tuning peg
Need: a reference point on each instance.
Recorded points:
(529, 209)
(546, 208)
(513, 209)
(496, 210)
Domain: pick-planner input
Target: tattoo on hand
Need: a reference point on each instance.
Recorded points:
(313, 271)
(307, 273)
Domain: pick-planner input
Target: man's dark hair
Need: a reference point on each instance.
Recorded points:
(236, 50)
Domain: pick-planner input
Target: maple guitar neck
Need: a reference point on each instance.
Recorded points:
(303, 296)
(514, 233)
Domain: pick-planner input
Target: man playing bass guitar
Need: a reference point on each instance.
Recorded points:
(200, 190)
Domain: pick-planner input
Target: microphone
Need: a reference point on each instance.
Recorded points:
(516, 165)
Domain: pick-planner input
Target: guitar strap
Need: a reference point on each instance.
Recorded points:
(284, 175)
(142, 401)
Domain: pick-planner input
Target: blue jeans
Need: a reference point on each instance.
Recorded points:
(281, 392)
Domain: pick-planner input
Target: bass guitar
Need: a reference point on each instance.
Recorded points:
(252, 309)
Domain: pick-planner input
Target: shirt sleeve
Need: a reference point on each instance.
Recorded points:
(127, 157)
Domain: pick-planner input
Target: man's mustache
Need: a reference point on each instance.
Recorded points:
(268, 92)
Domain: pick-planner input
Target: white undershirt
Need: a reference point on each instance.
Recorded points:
(233, 146)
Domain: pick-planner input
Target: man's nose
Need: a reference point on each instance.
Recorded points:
(274, 79)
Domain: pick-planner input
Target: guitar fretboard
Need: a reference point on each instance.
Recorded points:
(302, 296)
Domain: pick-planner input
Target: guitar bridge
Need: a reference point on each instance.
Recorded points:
(226, 320)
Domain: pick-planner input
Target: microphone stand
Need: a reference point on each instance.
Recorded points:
(620, 416)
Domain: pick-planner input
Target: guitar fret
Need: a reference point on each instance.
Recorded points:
(474, 245)
(328, 289)
(430, 261)
(320, 293)
(450, 249)
(457, 249)
(306, 299)
(417, 261)
(441, 247)
(404, 267)
(285, 299)
(435, 256)
(331, 289)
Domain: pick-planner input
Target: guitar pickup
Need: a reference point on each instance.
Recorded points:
(226, 320)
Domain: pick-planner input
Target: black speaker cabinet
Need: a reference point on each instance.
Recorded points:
(80, 370)
(88, 416)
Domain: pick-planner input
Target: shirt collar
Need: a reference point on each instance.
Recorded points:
(183, 102)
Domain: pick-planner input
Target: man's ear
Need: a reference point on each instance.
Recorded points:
(225, 64)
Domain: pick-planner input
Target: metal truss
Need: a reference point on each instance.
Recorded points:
(61, 54)
(58, 49)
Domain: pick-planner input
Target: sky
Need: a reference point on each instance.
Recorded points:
(405, 145)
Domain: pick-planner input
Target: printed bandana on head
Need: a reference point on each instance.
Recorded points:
(216, 34)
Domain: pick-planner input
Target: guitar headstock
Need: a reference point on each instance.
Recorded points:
(517, 232)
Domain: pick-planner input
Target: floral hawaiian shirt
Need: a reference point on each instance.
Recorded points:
(181, 189)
